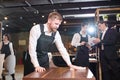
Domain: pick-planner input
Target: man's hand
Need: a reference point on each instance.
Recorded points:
(89, 47)
(96, 40)
(76, 67)
(83, 43)
(40, 69)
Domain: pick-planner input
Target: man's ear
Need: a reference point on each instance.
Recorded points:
(49, 20)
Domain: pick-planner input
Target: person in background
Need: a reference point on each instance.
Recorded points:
(41, 37)
(81, 41)
(6, 48)
(1, 64)
(110, 66)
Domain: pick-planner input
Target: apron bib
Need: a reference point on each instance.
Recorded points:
(43, 45)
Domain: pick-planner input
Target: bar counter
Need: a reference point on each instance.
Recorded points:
(59, 73)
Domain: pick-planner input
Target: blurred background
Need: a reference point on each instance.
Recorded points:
(18, 16)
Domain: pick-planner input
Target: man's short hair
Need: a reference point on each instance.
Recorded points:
(55, 15)
(101, 21)
(84, 24)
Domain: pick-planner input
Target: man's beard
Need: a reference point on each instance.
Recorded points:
(54, 30)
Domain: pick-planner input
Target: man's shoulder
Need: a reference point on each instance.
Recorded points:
(77, 34)
(57, 32)
(10, 42)
(35, 27)
(112, 30)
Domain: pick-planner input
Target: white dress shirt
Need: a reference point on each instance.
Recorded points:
(10, 61)
(77, 38)
(33, 37)
(10, 46)
(103, 33)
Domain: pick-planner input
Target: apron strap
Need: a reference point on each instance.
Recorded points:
(42, 28)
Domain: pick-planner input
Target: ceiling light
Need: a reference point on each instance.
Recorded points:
(80, 15)
(64, 22)
(6, 18)
(95, 7)
(6, 25)
(70, 9)
(21, 17)
(87, 0)
(43, 16)
(34, 24)
(3, 28)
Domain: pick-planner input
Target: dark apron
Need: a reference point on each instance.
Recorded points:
(43, 46)
(82, 55)
(5, 49)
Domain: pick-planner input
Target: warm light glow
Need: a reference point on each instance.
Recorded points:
(64, 22)
(91, 30)
(34, 23)
(6, 25)
(6, 18)
(3, 28)
(79, 15)
(43, 16)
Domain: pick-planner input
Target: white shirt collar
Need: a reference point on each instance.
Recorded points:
(45, 28)
(104, 33)
(105, 29)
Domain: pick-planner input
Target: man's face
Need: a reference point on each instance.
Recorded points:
(101, 26)
(54, 24)
(84, 28)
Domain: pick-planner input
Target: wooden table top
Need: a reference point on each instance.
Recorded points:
(59, 73)
(92, 60)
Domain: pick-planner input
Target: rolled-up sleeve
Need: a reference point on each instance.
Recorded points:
(34, 35)
(61, 48)
(76, 40)
(11, 48)
(90, 40)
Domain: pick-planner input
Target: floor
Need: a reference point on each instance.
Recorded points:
(18, 73)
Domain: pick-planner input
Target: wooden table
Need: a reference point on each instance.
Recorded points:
(59, 61)
(59, 73)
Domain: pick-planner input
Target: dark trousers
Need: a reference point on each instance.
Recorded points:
(82, 56)
(110, 68)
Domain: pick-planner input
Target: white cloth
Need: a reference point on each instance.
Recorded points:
(35, 33)
(1, 63)
(89, 74)
(10, 63)
(50, 60)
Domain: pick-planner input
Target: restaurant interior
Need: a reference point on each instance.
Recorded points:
(18, 16)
